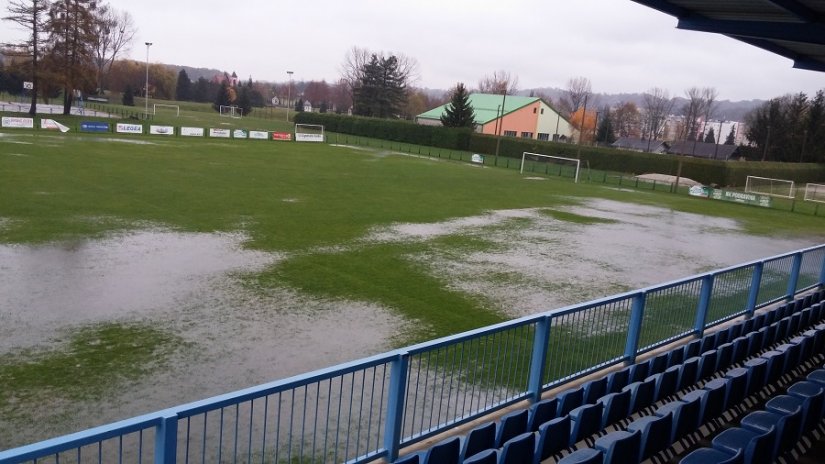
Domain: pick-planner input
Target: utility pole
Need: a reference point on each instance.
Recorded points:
(288, 95)
(146, 95)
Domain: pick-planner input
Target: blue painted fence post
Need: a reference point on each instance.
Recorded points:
(538, 360)
(634, 330)
(793, 281)
(754, 291)
(704, 305)
(822, 272)
(166, 439)
(395, 405)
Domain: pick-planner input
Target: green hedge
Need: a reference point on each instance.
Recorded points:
(709, 172)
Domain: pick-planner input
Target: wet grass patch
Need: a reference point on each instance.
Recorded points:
(575, 218)
(90, 362)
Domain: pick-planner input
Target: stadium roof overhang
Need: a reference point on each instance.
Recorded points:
(794, 29)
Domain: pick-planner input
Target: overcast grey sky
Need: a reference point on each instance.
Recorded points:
(619, 45)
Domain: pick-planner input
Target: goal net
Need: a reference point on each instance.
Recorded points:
(815, 192)
(164, 107)
(767, 186)
(231, 111)
(550, 165)
(309, 133)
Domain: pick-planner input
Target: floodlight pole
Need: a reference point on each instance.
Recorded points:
(146, 94)
(288, 95)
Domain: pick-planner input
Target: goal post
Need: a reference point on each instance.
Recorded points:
(309, 133)
(815, 192)
(781, 188)
(561, 164)
(231, 111)
(155, 107)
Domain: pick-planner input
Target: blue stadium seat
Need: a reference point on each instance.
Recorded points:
(519, 450)
(748, 326)
(724, 356)
(616, 406)
(668, 383)
(795, 326)
(656, 432)
(788, 427)
(722, 336)
(643, 394)
(793, 355)
(689, 372)
(754, 342)
(542, 412)
(511, 425)
(761, 320)
(806, 344)
(757, 446)
(734, 332)
(813, 396)
(713, 456)
(817, 376)
(583, 456)
(805, 319)
(737, 386)
(553, 437)
(621, 447)
(708, 342)
(594, 389)
(740, 349)
(639, 372)
(489, 456)
(617, 380)
(685, 416)
(776, 365)
(444, 452)
(586, 420)
(413, 458)
(707, 364)
(675, 357)
(479, 439)
(716, 402)
(757, 374)
(569, 400)
(693, 349)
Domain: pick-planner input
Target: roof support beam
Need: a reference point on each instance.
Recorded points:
(799, 10)
(802, 32)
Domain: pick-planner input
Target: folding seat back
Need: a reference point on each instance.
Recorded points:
(813, 398)
(621, 447)
(583, 456)
(714, 403)
(769, 334)
(737, 389)
(755, 341)
(761, 320)
(795, 325)
(757, 445)
(685, 416)
(617, 380)
(693, 349)
(740, 349)
(675, 357)
(689, 372)
(722, 337)
(616, 406)
(700, 396)
(569, 400)
(793, 355)
(642, 394)
(707, 364)
(479, 439)
(788, 426)
(445, 452)
(757, 374)
(805, 319)
(713, 456)
(783, 328)
(656, 432)
(708, 342)
(489, 456)
(724, 354)
(553, 437)
(638, 372)
(519, 450)
(806, 346)
(734, 331)
(542, 412)
(511, 425)
(668, 383)
(748, 326)
(594, 389)
(776, 364)
(659, 362)
(585, 421)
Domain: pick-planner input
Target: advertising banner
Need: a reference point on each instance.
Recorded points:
(161, 130)
(258, 135)
(192, 131)
(699, 191)
(18, 123)
(92, 126)
(220, 133)
(239, 134)
(301, 137)
(51, 124)
(122, 128)
(741, 197)
(281, 136)
(476, 158)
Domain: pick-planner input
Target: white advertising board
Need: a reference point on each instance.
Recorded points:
(51, 124)
(161, 130)
(123, 128)
(303, 137)
(192, 131)
(239, 134)
(258, 135)
(220, 133)
(476, 158)
(18, 123)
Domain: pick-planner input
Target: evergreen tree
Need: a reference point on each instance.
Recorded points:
(222, 97)
(381, 90)
(710, 137)
(324, 107)
(606, 132)
(244, 102)
(201, 93)
(183, 91)
(459, 112)
(731, 138)
(128, 96)
(299, 105)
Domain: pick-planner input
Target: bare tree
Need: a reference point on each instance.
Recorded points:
(114, 32)
(499, 82)
(578, 90)
(698, 109)
(29, 15)
(657, 107)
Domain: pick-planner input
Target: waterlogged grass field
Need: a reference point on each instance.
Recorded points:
(345, 223)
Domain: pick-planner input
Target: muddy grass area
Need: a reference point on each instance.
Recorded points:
(215, 331)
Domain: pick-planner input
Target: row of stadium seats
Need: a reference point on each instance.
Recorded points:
(553, 427)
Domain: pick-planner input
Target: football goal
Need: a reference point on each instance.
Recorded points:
(551, 165)
(174, 108)
(309, 133)
(773, 187)
(231, 111)
(815, 192)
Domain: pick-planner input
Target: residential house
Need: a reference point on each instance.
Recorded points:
(642, 145)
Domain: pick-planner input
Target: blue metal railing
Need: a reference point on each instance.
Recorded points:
(370, 408)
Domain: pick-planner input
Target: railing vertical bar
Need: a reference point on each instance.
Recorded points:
(756, 281)
(337, 419)
(220, 436)
(349, 415)
(822, 271)
(203, 440)
(635, 328)
(460, 369)
(120, 450)
(315, 419)
(266, 417)
(452, 378)
(395, 405)
(794, 278)
(443, 389)
(235, 439)
(249, 443)
(420, 360)
(140, 446)
(401, 412)
(360, 412)
(278, 427)
(304, 421)
(425, 391)
(166, 439)
(435, 384)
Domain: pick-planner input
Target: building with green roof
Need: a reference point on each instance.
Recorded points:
(525, 117)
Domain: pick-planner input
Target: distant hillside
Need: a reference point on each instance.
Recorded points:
(196, 73)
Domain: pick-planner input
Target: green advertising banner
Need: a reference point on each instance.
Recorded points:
(741, 197)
